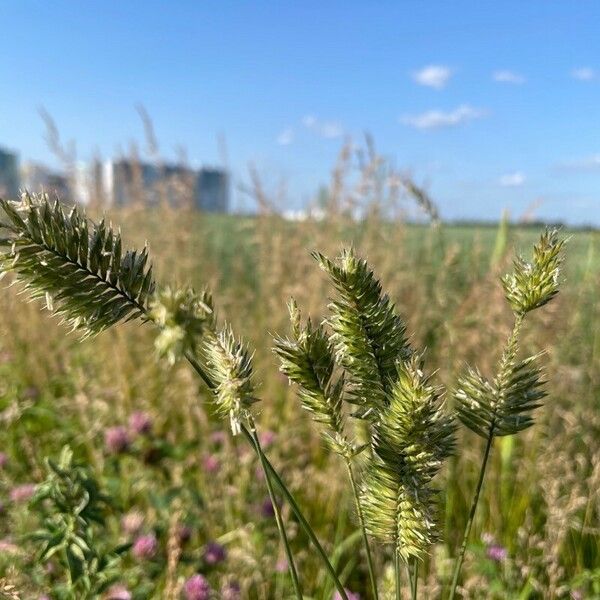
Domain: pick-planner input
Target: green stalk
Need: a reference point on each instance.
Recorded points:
(463, 548)
(507, 357)
(363, 529)
(278, 518)
(398, 576)
(415, 579)
(282, 487)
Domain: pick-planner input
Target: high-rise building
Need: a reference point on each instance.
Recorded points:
(9, 174)
(129, 181)
(212, 190)
(37, 178)
(126, 182)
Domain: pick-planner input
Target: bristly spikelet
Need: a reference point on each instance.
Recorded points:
(503, 406)
(411, 440)
(534, 284)
(307, 359)
(370, 338)
(77, 266)
(229, 365)
(182, 315)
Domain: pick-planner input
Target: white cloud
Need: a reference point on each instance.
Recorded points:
(326, 129)
(508, 77)
(588, 163)
(436, 119)
(583, 74)
(435, 76)
(516, 179)
(286, 137)
(309, 121)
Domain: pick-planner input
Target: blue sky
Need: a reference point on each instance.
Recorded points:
(493, 104)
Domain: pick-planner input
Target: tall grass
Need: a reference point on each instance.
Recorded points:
(191, 488)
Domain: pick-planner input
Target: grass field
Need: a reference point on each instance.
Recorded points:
(537, 529)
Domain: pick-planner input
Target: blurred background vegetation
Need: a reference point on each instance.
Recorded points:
(537, 532)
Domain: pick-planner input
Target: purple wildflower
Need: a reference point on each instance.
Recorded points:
(23, 492)
(266, 509)
(116, 439)
(132, 522)
(196, 588)
(282, 565)
(145, 547)
(3, 460)
(31, 393)
(118, 592)
(267, 438)
(497, 553)
(140, 423)
(184, 534)
(218, 438)
(231, 591)
(211, 463)
(351, 595)
(214, 553)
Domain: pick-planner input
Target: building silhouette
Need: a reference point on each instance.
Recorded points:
(126, 182)
(9, 174)
(37, 178)
(212, 190)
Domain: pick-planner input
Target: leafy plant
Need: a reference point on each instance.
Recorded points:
(72, 509)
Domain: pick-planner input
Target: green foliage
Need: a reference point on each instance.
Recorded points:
(77, 266)
(534, 284)
(369, 336)
(229, 365)
(72, 507)
(183, 316)
(411, 440)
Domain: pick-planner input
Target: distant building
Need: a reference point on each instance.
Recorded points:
(126, 182)
(129, 181)
(37, 178)
(212, 190)
(9, 174)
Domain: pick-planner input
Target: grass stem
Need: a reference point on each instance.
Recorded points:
(415, 579)
(277, 510)
(361, 519)
(283, 488)
(463, 547)
(397, 570)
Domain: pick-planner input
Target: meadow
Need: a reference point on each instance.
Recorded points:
(184, 496)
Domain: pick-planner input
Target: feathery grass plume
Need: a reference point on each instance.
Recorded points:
(308, 360)
(534, 284)
(503, 406)
(370, 338)
(411, 440)
(183, 316)
(77, 266)
(229, 365)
